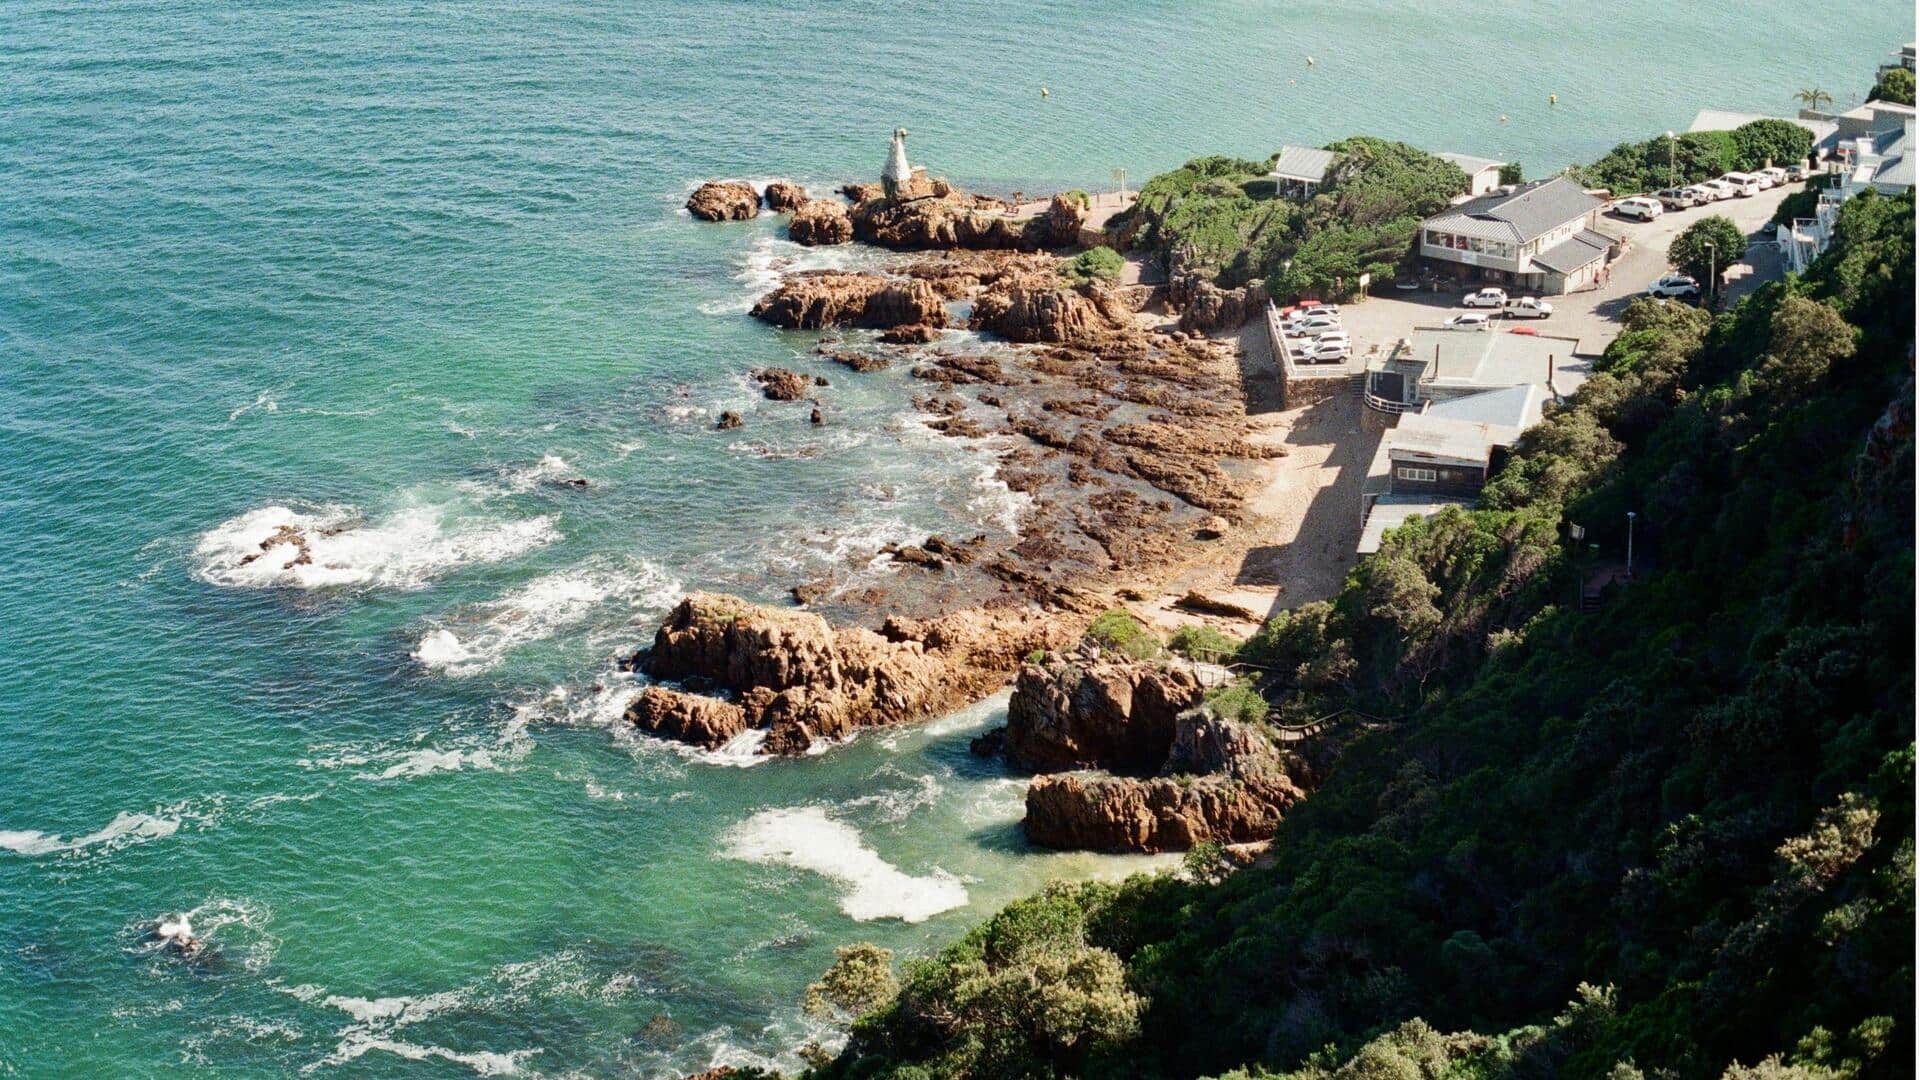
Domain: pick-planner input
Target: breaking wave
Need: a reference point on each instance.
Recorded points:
(330, 546)
(125, 830)
(481, 637)
(806, 838)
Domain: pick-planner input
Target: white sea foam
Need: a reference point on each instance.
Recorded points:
(499, 751)
(333, 546)
(480, 638)
(127, 828)
(807, 838)
(265, 402)
(550, 468)
(234, 926)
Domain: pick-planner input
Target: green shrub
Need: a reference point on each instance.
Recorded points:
(1895, 85)
(1203, 643)
(1078, 196)
(1096, 264)
(1238, 702)
(1118, 631)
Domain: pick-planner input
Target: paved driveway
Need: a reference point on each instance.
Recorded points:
(1593, 316)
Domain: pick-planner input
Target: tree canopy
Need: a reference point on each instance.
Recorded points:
(1670, 837)
(1705, 248)
(1895, 84)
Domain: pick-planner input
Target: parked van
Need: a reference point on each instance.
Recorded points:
(1640, 207)
(1774, 175)
(1744, 183)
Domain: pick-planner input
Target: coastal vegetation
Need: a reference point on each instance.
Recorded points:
(1689, 158)
(1672, 836)
(1095, 264)
(1223, 219)
(1703, 249)
(1894, 85)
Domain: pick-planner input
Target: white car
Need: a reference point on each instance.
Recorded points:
(1674, 285)
(1325, 353)
(1702, 194)
(1798, 171)
(1774, 175)
(1527, 307)
(1333, 337)
(1472, 320)
(1640, 207)
(1719, 189)
(1314, 326)
(1316, 311)
(1492, 298)
(1743, 184)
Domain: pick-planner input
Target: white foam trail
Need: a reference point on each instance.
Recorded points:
(549, 468)
(265, 402)
(806, 838)
(537, 610)
(770, 257)
(125, 829)
(330, 546)
(605, 707)
(221, 923)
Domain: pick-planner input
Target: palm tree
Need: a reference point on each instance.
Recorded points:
(1813, 97)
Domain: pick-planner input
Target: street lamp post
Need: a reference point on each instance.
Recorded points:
(1630, 516)
(1713, 279)
(1671, 182)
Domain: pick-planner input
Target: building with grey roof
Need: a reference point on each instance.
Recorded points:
(1300, 170)
(1483, 174)
(1539, 236)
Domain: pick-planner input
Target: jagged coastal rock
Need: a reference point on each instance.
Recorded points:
(1175, 775)
(817, 299)
(779, 384)
(1103, 714)
(1036, 308)
(803, 680)
(724, 200)
(1208, 308)
(820, 222)
(784, 196)
(959, 220)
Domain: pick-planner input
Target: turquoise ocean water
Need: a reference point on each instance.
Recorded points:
(398, 269)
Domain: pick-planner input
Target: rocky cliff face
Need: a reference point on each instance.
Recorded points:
(803, 680)
(821, 298)
(724, 200)
(1119, 716)
(1176, 775)
(819, 222)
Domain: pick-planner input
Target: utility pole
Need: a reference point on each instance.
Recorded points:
(1671, 182)
(1630, 516)
(1713, 281)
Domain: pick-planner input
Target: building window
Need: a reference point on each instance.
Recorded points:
(1407, 472)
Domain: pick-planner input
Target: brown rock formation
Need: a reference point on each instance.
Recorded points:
(858, 192)
(802, 679)
(728, 421)
(817, 299)
(1187, 776)
(954, 219)
(689, 718)
(915, 334)
(1208, 308)
(724, 200)
(779, 384)
(1117, 716)
(784, 196)
(1037, 308)
(819, 222)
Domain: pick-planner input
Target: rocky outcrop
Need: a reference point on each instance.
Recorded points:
(728, 421)
(1106, 813)
(1207, 308)
(779, 384)
(724, 200)
(1174, 774)
(688, 718)
(816, 299)
(959, 220)
(1037, 308)
(1118, 716)
(784, 196)
(820, 222)
(803, 680)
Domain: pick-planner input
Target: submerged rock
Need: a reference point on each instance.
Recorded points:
(728, 421)
(724, 200)
(779, 384)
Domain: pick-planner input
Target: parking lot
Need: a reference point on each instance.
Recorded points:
(1592, 316)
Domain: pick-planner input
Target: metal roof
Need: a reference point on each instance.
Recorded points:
(1523, 214)
(1426, 437)
(1302, 163)
(1470, 165)
(1393, 511)
(1576, 251)
(1515, 407)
